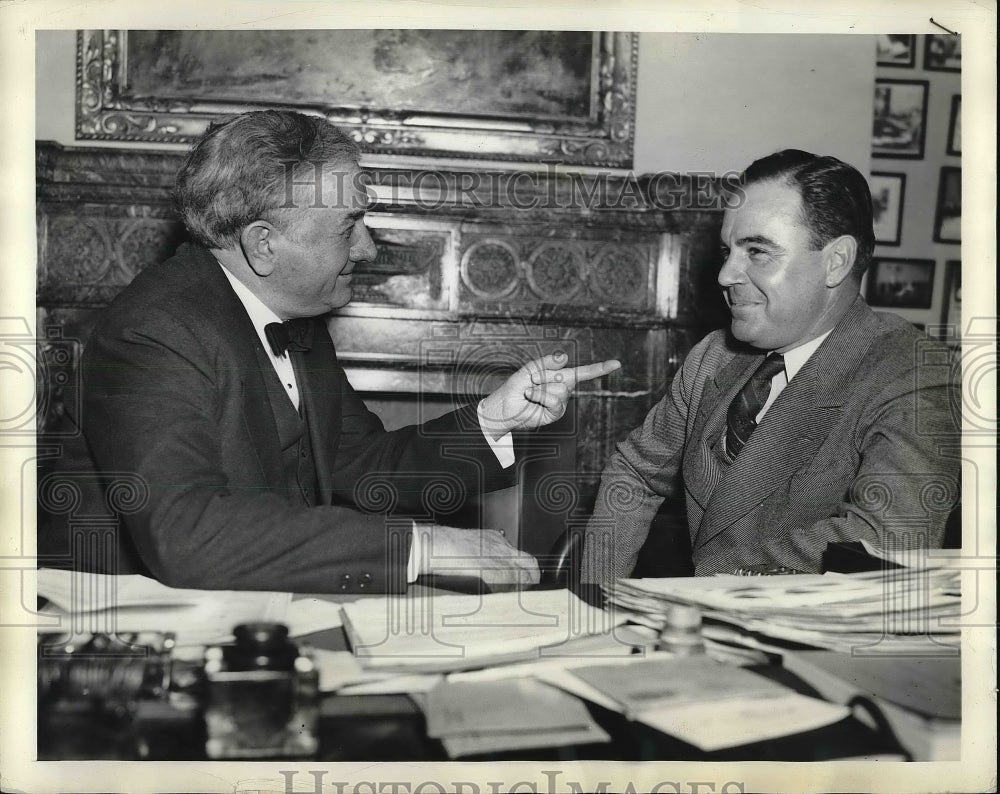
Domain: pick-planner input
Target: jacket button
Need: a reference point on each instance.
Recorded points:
(366, 578)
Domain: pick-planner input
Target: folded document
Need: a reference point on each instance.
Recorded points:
(455, 632)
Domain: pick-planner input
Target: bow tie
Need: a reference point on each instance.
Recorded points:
(293, 335)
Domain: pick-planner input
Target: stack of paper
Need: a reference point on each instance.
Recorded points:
(98, 603)
(706, 703)
(457, 632)
(511, 714)
(907, 608)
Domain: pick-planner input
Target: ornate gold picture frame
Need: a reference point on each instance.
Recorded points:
(528, 96)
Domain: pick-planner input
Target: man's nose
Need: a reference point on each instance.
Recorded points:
(732, 270)
(362, 246)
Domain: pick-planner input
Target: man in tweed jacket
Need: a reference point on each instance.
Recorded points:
(858, 438)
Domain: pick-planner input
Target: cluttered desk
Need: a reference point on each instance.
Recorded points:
(805, 667)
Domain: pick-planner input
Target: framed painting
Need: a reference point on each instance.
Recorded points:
(943, 52)
(901, 283)
(900, 118)
(896, 49)
(888, 191)
(955, 126)
(948, 217)
(523, 95)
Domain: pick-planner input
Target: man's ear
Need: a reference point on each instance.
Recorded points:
(838, 259)
(257, 241)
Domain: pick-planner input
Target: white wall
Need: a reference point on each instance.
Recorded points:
(718, 101)
(705, 102)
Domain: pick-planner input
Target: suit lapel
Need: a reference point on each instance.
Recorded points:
(320, 390)
(794, 427)
(789, 435)
(260, 386)
(705, 464)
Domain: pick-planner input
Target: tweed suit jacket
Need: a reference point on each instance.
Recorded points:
(863, 443)
(180, 396)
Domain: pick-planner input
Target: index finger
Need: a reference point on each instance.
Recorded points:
(596, 370)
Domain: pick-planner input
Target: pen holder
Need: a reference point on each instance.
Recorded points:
(681, 634)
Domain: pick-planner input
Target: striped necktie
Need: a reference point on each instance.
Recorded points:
(741, 420)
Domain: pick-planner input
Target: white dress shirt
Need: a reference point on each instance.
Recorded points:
(794, 361)
(260, 316)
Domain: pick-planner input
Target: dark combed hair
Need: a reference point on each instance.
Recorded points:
(836, 199)
(237, 173)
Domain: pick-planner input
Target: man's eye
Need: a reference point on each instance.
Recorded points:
(756, 253)
(724, 253)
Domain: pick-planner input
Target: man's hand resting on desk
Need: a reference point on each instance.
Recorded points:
(537, 394)
(483, 553)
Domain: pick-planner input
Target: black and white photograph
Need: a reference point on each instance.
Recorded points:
(900, 121)
(955, 126)
(943, 52)
(888, 195)
(439, 400)
(901, 283)
(948, 216)
(896, 49)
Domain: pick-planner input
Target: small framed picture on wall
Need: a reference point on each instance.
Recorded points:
(943, 52)
(900, 118)
(948, 217)
(951, 306)
(896, 49)
(901, 283)
(888, 191)
(955, 126)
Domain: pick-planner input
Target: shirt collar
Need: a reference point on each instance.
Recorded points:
(798, 356)
(260, 314)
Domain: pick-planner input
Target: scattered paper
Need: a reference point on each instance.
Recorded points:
(455, 632)
(89, 592)
(657, 682)
(413, 684)
(737, 721)
(338, 669)
(492, 743)
(498, 716)
(308, 615)
(512, 705)
(98, 603)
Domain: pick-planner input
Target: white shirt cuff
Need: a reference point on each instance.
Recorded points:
(502, 447)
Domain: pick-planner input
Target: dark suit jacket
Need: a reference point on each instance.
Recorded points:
(863, 443)
(179, 399)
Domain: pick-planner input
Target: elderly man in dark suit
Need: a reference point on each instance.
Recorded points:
(213, 379)
(811, 419)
